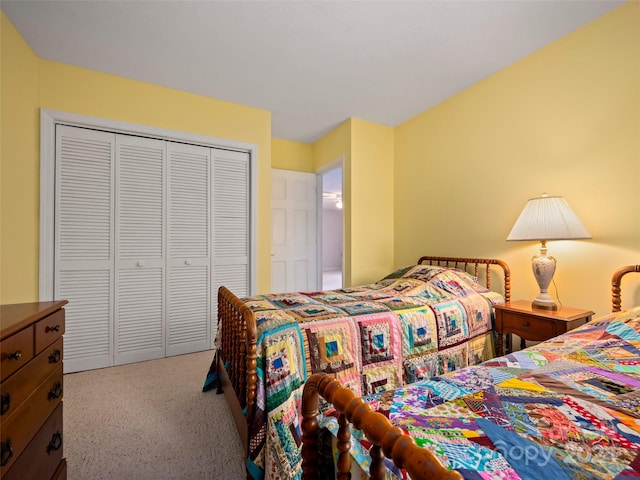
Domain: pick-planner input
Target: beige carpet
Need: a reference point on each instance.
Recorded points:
(149, 420)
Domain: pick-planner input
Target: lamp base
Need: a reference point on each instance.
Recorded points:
(544, 303)
(543, 269)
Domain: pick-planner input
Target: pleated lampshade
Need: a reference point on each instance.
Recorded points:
(548, 218)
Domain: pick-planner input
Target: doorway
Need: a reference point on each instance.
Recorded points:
(332, 226)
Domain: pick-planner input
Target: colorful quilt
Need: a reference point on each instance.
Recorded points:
(567, 408)
(418, 322)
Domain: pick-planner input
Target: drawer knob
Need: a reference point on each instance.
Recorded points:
(525, 324)
(5, 403)
(55, 443)
(55, 356)
(55, 328)
(56, 391)
(15, 355)
(6, 452)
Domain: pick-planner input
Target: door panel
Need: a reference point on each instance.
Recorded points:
(140, 249)
(83, 246)
(231, 222)
(294, 231)
(188, 294)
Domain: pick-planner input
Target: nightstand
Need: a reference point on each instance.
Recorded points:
(530, 323)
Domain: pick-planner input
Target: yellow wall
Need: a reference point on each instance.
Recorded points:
(367, 152)
(372, 211)
(76, 90)
(290, 155)
(19, 168)
(564, 120)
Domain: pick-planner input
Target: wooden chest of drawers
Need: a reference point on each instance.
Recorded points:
(31, 391)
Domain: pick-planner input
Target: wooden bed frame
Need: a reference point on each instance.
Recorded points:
(236, 357)
(419, 462)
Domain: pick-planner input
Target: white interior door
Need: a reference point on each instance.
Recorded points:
(294, 239)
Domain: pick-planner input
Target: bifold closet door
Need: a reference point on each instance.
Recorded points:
(189, 285)
(140, 223)
(146, 230)
(83, 245)
(231, 221)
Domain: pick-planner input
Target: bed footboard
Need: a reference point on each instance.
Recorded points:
(237, 358)
(391, 441)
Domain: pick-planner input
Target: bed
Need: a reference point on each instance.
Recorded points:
(417, 322)
(566, 408)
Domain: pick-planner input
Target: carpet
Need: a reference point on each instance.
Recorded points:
(149, 420)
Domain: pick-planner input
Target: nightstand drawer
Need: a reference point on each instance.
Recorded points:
(528, 327)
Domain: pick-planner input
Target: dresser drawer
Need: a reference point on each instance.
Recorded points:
(16, 351)
(49, 329)
(17, 430)
(43, 456)
(18, 387)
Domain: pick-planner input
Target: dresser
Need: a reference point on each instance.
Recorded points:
(31, 441)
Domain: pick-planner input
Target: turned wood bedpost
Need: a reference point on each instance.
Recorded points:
(616, 279)
(507, 279)
(344, 445)
(310, 428)
(252, 362)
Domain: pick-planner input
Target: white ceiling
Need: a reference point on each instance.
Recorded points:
(312, 64)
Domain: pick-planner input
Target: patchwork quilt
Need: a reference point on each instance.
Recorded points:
(418, 322)
(567, 408)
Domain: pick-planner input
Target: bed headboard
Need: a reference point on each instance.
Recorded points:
(616, 296)
(479, 267)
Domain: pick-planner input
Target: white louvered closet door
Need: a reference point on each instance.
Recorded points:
(83, 245)
(145, 231)
(189, 267)
(140, 249)
(231, 220)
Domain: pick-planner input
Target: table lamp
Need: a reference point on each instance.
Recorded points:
(542, 219)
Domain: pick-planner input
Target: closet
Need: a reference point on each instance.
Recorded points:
(145, 231)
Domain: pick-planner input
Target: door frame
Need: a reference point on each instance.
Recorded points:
(48, 121)
(337, 163)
